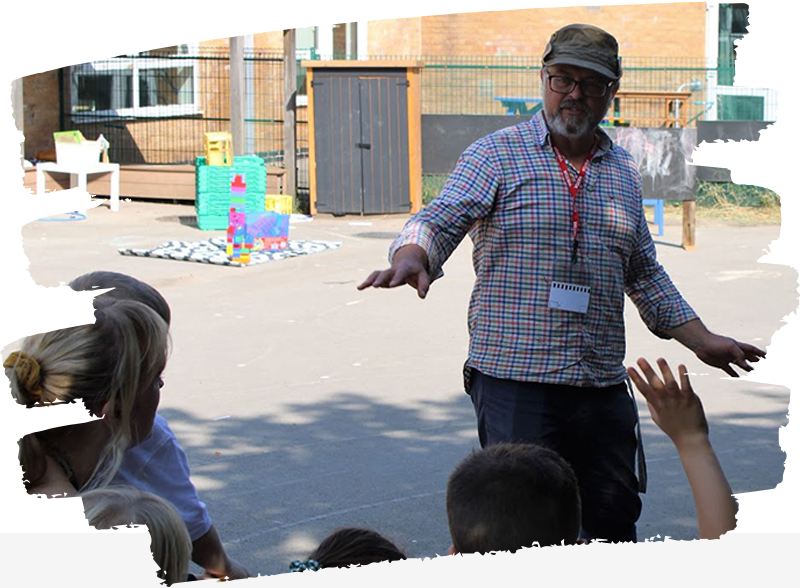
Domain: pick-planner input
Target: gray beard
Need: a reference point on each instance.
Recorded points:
(572, 127)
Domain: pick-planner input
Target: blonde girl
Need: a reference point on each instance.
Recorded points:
(114, 368)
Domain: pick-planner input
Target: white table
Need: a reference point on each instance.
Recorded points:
(80, 173)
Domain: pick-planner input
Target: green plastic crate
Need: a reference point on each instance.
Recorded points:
(221, 203)
(212, 222)
(213, 210)
(213, 189)
(218, 178)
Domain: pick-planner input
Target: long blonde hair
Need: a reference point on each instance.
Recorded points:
(170, 543)
(104, 364)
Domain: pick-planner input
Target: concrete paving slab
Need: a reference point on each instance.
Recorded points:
(305, 405)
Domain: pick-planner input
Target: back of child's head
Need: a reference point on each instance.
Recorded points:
(348, 547)
(106, 365)
(170, 544)
(125, 287)
(512, 495)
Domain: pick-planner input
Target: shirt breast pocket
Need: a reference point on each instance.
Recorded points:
(619, 221)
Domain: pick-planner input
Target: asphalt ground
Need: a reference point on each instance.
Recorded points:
(305, 405)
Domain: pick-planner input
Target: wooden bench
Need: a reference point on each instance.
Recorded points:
(154, 182)
(650, 109)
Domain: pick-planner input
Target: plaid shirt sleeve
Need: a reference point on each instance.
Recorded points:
(648, 285)
(467, 196)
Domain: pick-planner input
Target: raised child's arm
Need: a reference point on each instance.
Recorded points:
(677, 411)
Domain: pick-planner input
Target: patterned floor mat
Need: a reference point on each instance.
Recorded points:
(213, 251)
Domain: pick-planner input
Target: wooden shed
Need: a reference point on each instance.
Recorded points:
(365, 150)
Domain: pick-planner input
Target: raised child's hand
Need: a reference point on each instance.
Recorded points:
(678, 412)
(674, 406)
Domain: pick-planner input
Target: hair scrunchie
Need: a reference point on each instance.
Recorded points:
(28, 373)
(302, 566)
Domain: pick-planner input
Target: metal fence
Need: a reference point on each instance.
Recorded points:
(154, 107)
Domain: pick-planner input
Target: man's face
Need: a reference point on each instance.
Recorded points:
(574, 114)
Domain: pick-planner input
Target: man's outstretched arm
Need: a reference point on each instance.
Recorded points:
(716, 350)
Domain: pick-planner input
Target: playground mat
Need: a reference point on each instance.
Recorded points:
(213, 251)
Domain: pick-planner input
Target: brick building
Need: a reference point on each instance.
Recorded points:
(644, 30)
(158, 105)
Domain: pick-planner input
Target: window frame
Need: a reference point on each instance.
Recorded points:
(134, 65)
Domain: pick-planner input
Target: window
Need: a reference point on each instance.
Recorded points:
(305, 48)
(330, 42)
(158, 83)
(733, 107)
(737, 103)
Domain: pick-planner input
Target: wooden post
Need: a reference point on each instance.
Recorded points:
(312, 144)
(688, 224)
(290, 112)
(414, 138)
(237, 94)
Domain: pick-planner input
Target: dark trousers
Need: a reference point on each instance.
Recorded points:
(593, 429)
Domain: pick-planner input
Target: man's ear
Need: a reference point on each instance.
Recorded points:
(452, 550)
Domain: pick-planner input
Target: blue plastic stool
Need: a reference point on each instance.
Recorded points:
(658, 213)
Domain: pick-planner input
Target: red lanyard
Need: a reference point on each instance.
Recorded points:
(573, 188)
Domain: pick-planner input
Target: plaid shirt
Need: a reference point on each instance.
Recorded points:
(508, 194)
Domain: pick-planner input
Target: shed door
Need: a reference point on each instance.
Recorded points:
(361, 134)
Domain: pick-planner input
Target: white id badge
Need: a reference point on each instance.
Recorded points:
(569, 297)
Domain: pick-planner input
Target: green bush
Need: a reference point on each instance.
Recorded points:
(724, 194)
(431, 186)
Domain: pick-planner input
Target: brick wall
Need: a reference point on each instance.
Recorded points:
(40, 111)
(643, 30)
(402, 36)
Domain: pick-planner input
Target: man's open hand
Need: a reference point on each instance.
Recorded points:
(723, 353)
(409, 266)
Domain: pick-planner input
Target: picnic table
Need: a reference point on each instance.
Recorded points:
(515, 106)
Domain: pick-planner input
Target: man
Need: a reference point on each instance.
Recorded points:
(555, 214)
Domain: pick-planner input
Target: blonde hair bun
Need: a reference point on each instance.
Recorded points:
(28, 374)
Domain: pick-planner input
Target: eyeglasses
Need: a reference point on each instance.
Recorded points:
(589, 87)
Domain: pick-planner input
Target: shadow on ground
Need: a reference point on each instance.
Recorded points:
(276, 486)
(185, 220)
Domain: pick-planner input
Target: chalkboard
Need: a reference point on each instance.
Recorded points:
(446, 136)
(661, 156)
